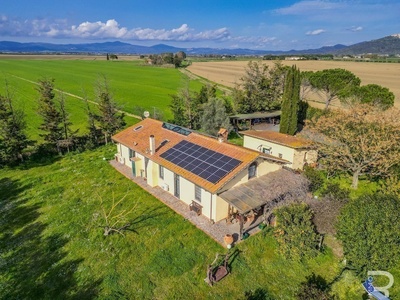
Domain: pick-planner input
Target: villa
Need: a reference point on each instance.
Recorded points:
(213, 177)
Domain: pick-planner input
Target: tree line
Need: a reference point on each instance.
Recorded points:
(167, 58)
(56, 128)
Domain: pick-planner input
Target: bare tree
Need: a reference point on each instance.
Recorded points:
(116, 218)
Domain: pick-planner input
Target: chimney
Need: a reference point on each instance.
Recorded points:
(222, 135)
(152, 145)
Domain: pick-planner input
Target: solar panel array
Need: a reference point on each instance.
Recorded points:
(208, 164)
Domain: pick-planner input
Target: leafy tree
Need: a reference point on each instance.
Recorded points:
(168, 58)
(375, 95)
(206, 92)
(260, 89)
(110, 120)
(215, 116)
(334, 83)
(361, 140)
(52, 119)
(179, 57)
(186, 109)
(277, 75)
(369, 230)
(13, 139)
(295, 232)
(290, 102)
(305, 87)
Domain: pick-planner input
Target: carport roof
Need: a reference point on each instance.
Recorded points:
(257, 115)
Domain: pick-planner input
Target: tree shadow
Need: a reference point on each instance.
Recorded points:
(257, 294)
(314, 288)
(33, 265)
(145, 218)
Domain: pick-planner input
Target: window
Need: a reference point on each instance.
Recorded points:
(131, 153)
(161, 171)
(252, 170)
(197, 193)
(138, 128)
(266, 150)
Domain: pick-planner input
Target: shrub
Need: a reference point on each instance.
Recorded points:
(295, 232)
(333, 191)
(316, 178)
(369, 229)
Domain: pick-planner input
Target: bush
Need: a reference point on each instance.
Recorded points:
(295, 232)
(369, 229)
(316, 178)
(333, 191)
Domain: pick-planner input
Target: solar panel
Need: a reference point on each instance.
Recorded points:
(208, 164)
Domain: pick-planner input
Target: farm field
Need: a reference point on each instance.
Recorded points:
(131, 84)
(52, 245)
(228, 73)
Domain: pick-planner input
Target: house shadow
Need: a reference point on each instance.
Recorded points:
(34, 264)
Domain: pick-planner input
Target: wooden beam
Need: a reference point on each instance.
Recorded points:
(241, 219)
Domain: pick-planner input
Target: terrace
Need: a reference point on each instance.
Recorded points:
(259, 195)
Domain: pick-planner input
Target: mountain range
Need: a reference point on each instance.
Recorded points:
(389, 45)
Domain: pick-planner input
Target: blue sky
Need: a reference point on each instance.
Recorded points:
(258, 24)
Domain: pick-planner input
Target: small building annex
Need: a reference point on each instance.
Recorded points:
(195, 168)
(296, 150)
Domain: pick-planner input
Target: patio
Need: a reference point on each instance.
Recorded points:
(217, 231)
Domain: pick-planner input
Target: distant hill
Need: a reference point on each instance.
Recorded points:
(386, 45)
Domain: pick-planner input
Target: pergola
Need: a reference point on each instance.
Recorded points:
(268, 192)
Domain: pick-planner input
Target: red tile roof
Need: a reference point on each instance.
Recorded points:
(138, 140)
(280, 138)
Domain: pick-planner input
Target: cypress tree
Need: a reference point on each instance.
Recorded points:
(290, 102)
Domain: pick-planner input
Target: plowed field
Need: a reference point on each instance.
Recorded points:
(228, 73)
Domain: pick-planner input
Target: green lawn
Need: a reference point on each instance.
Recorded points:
(131, 83)
(52, 248)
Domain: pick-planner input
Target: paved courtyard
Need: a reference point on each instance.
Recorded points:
(217, 231)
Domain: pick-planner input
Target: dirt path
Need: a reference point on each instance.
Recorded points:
(77, 97)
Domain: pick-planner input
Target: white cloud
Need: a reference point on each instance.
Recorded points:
(355, 29)
(315, 32)
(110, 29)
(308, 7)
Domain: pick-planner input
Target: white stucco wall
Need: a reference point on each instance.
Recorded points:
(187, 193)
(123, 152)
(276, 149)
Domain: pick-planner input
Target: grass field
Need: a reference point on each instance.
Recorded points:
(52, 248)
(131, 83)
(228, 73)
